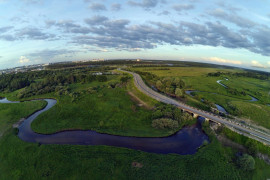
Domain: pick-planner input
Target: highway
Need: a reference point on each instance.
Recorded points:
(247, 131)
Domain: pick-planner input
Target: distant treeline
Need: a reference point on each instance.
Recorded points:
(91, 63)
(41, 82)
(256, 75)
(57, 83)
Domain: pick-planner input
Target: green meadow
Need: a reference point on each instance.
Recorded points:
(197, 78)
(119, 109)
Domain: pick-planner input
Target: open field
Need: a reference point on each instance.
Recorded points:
(100, 110)
(12, 113)
(20, 160)
(237, 104)
(97, 106)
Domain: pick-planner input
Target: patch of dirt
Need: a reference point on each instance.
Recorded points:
(139, 102)
(17, 124)
(224, 140)
(136, 164)
(264, 157)
(229, 143)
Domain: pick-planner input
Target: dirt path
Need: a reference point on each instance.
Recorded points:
(139, 101)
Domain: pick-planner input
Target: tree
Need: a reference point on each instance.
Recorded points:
(178, 92)
(246, 162)
(177, 115)
(251, 148)
(159, 84)
(124, 79)
(186, 117)
(164, 123)
(102, 78)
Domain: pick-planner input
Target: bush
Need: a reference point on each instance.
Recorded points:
(164, 123)
(186, 117)
(252, 148)
(246, 162)
(15, 131)
(102, 78)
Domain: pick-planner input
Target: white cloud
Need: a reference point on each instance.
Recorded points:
(257, 64)
(268, 62)
(23, 59)
(220, 60)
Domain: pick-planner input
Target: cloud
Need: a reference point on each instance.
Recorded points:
(232, 18)
(119, 34)
(68, 26)
(33, 33)
(182, 7)
(260, 40)
(257, 64)
(116, 7)
(268, 62)
(220, 60)
(32, 1)
(144, 4)
(5, 29)
(23, 60)
(96, 20)
(8, 37)
(165, 12)
(97, 7)
(47, 54)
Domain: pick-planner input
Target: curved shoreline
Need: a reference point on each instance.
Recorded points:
(185, 141)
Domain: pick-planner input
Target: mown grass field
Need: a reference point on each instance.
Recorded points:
(196, 78)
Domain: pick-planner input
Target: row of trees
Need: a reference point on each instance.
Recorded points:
(58, 83)
(250, 74)
(12, 82)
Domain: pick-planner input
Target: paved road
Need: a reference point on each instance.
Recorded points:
(250, 132)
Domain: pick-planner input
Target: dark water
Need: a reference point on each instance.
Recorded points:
(190, 91)
(253, 99)
(221, 109)
(219, 82)
(4, 100)
(185, 141)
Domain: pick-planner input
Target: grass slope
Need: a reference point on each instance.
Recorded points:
(12, 113)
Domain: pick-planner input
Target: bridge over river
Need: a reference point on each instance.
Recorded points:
(237, 127)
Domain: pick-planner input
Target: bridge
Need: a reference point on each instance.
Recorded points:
(237, 127)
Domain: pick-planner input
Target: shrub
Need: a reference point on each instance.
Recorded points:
(102, 78)
(164, 123)
(186, 117)
(246, 162)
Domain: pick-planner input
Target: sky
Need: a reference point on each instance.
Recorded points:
(228, 32)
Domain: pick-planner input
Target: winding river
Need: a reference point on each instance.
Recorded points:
(219, 107)
(185, 141)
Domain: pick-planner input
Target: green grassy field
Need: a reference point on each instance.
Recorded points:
(108, 110)
(196, 78)
(21, 160)
(111, 110)
(12, 113)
